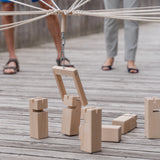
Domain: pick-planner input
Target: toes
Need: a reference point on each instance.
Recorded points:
(9, 71)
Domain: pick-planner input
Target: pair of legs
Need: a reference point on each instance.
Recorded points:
(53, 26)
(111, 28)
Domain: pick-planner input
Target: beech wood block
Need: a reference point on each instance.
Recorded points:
(152, 117)
(83, 111)
(127, 122)
(38, 103)
(70, 100)
(90, 130)
(38, 125)
(71, 119)
(71, 72)
(38, 118)
(111, 133)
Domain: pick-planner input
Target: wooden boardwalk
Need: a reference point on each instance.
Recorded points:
(116, 92)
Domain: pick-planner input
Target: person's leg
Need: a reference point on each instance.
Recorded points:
(111, 27)
(9, 35)
(131, 36)
(54, 28)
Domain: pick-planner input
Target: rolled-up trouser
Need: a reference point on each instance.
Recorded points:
(111, 27)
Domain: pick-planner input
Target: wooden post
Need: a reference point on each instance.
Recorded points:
(71, 115)
(63, 23)
(152, 117)
(90, 130)
(38, 118)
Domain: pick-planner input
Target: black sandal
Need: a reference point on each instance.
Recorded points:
(60, 62)
(132, 69)
(16, 69)
(106, 68)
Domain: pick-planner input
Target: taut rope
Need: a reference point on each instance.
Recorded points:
(147, 14)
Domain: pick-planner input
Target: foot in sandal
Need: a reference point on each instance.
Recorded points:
(108, 64)
(132, 67)
(64, 62)
(11, 67)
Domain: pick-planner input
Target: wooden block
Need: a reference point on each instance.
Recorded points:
(71, 72)
(38, 103)
(90, 130)
(126, 121)
(70, 100)
(152, 117)
(83, 111)
(71, 119)
(111, 133)
(39, 125)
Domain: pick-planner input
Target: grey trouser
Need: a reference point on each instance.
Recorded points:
(111, 27)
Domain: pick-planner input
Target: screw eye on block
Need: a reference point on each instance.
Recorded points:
(90, 130)
(59, 71)
(38, 118)
(152, 117)
(127, 121)
(71, 115)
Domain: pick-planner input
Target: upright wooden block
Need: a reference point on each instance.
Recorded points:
(38, 103)
(70, 100)
(152, 117)
(126, 121)
(111, 133)
(59, 71)
(38, 118)
(71, 119)
(90, 130)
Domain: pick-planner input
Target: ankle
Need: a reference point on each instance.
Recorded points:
(13, 57)
(131, 63)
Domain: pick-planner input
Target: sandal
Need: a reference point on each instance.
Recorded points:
(132, 69)
(60, 62)
(106, 68)
(16, 69)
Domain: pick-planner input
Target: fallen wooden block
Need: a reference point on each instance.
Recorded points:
(127, 121)
(71, 119)
(90, 130)
(111, 133)
(70, 100)
(152, 117)
(38, 118)
(71, 72)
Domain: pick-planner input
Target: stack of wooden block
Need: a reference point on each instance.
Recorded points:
(71, 115)
(38, 118)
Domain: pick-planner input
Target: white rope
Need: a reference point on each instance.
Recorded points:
(81, 3)
(16, 24)
(73, 5)
(55, 4)
(15, 13)
(147, 14)
(24, 4)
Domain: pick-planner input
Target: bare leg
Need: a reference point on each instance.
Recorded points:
(9, 35)
(54, 28)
